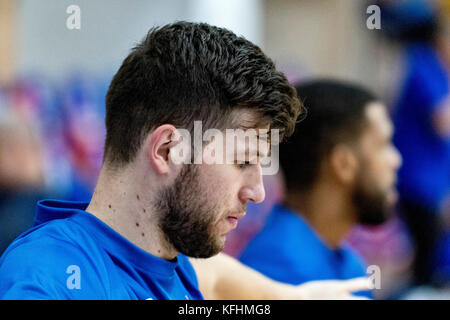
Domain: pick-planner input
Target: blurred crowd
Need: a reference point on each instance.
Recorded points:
(51, 144)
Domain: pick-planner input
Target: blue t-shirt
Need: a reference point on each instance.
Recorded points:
(425, 174)
(287, 249)
(70, 254)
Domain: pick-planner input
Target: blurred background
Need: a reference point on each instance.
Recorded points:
(53, 81)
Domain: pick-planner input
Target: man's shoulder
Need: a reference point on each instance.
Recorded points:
(280, 239)
(42, 259)
(51, 236)
(284, 233)
(352, 260)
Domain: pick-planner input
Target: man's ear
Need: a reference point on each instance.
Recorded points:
(162, 139)
(344, 163)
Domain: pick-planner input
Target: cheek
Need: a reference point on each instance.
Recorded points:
(374, 172)
(221, 227)
(220, 181)
(383, 172)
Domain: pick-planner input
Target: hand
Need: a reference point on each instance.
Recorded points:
(332, 289)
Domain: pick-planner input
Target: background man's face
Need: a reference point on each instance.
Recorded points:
(206, 201)
(374, 192)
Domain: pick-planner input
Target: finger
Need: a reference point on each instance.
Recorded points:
(357, 284)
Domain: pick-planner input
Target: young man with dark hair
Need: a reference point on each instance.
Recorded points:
(340, 169)
(148, 211)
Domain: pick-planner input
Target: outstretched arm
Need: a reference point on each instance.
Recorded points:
(223, 277)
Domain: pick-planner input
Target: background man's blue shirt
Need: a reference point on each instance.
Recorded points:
(288, 250)
(425, 173)
(35, 265)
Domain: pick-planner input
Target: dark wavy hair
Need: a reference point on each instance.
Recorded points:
(183, 72)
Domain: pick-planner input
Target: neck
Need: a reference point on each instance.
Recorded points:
(327, 209)
(118, 202)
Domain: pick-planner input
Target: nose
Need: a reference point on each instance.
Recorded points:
(253, 189)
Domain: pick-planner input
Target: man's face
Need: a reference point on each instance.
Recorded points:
(206, 201)
(374, 192)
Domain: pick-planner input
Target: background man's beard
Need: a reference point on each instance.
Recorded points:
(185, 218)
(371, 204)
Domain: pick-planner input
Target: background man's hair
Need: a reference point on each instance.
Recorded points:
(183, 72)
(410, 21)
(335, 114)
